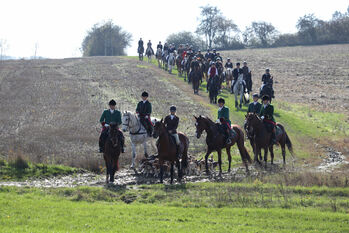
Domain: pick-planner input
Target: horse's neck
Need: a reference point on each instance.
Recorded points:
(258, 127)
(211, 130)
(164, 139)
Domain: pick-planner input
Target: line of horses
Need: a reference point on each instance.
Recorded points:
(258, 136)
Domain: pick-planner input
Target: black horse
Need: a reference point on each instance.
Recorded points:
(140, 52)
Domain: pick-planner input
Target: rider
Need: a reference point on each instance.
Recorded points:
(149, 47)
(228, 64)
(159, 46)
(171, 123)
(236, 72)
(208, 54)
(165, 47)
(267, 78)
(218, 56)
(144, 111)
(213, 55)
(223, 118)
(255, 106)
(108, 116)
(140, 43)
(172, 49)
(247, 77)
(219, 65)
(199, 55)
(267, 115)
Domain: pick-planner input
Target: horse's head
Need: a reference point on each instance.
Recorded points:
(252, 120)
(113, 134)
(159, 128)
(126, 121)
(201, 125)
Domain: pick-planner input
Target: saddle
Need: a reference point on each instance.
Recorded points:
(278, 131)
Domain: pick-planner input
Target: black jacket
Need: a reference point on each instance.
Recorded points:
(171, 125)
(236, 73)
(266, 78)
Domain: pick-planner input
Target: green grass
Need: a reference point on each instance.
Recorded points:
(21, 170)
(205, 207)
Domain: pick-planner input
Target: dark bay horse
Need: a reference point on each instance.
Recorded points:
(112, 149)
(196, 76)
(167, 150)
(140, 51)
(216, 141)
(261, 138)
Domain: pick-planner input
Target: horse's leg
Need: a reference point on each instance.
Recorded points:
(229, 157)
(236, 99)
(172, 165)
(133, 155)
(257, 151)
(206, 157)
(145, 148)
(265, 156)
(271, 154)
(179, 171)
(112, 170)
(107, 171)
(161, 162)
(220, 161)
(241, 98)
(283, 148)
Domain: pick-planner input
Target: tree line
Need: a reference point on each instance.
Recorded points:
(214, 30)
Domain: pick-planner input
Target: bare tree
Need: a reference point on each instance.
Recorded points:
(260, 34)
(3, 48)
(209, 20)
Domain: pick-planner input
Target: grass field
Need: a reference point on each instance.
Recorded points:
(205, 207)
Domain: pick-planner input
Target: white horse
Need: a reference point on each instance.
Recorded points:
(138, 134)
(229, 77)
(171, 62)
(239, 90)
(159, 56)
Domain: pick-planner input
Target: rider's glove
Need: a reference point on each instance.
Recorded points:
(218, 121)
(106, 125)
(262, 117)
(146, 117)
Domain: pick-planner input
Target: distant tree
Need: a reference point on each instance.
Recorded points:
(306, 26)
(209, 20)
(105, 40)
(260, 34)
(227, 35)
(185, 37)
(3, 48)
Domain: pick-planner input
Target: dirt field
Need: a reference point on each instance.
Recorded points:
(314, 75)
(50, 109)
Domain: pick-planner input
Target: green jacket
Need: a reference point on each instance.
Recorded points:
(254, 108)
(268, 112)
(144, 109)
(224, 112)
(108, 117)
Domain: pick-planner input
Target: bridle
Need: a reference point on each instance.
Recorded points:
(137, 132)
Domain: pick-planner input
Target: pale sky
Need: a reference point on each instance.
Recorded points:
(58, 27)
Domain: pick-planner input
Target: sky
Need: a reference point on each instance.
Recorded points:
(57, 28)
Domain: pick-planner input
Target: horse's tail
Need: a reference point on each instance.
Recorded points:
(247, 155)
(288, 140)
(241, 146)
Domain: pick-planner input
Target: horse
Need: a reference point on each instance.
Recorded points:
(261, 138)
(228, 76)
(167, 149)
(138, 134)
(140, 51)
(238, 90)
(216, 141)
(213, 88)
(164, 59)
(267, 89)
(112, 150)
(171, 62)
(158, 56)
(179, 64)
(196, 76)
(149, 52)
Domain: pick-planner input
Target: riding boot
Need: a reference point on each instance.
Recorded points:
(273, 138)
(101, 147)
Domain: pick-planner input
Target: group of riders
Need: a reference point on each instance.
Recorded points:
(144, 110)
(196, 66)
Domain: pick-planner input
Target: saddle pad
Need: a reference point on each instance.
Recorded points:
(234, 133)
(278, 131)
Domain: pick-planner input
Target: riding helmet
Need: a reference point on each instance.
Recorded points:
(245, 62)
(265, 97)
(221, 100)
(238, 63)
(255, 95)
(112, 103)
(173, 108)
(267, 69)
(145, 94)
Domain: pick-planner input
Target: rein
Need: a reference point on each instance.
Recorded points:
(139, 127)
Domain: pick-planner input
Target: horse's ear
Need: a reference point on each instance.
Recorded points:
(195, 117)
(162, 119)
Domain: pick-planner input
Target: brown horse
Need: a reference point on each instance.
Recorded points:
(216, 141)
(261, 138)
(167, 150)
(112, 151)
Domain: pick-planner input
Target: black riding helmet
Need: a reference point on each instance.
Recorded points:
(173, 108)
(255, 95)
(265, 97)
(238, 63)
(145, 94)
(112, 103)
(221, 100)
